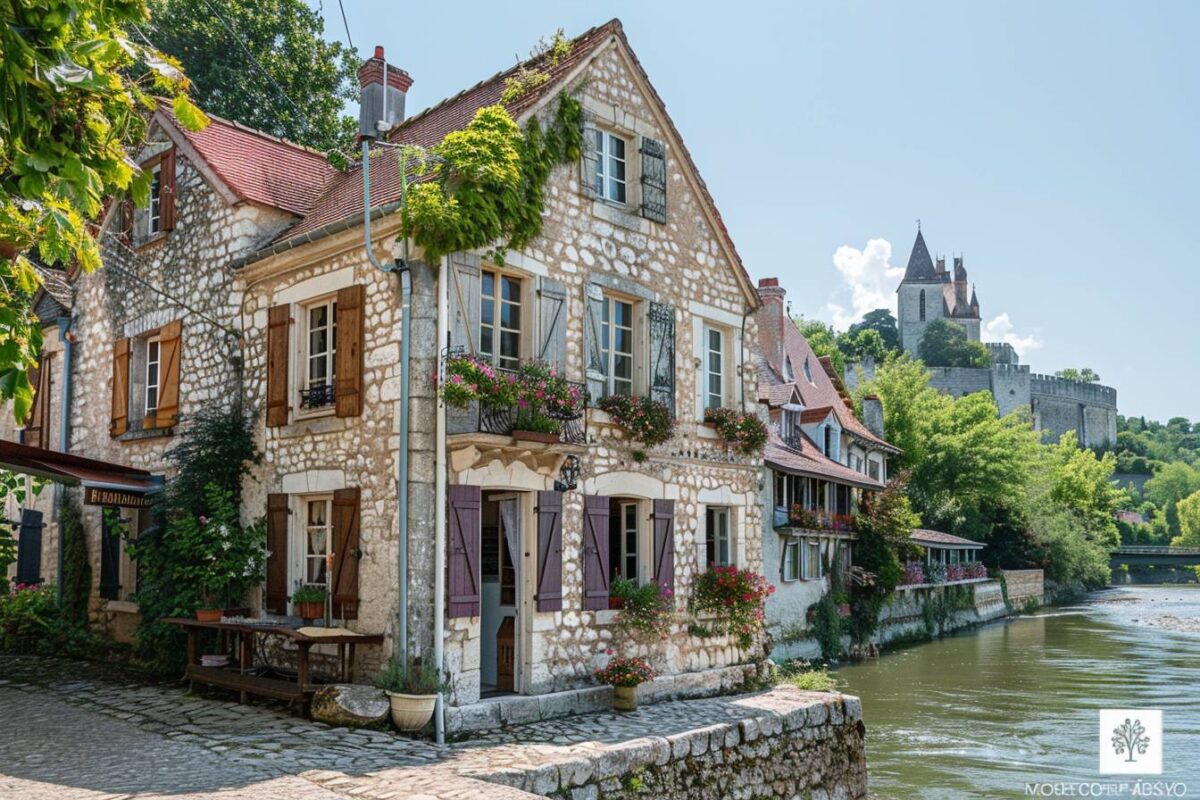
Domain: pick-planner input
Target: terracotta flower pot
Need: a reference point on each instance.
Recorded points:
(410, 712)
(209, 614)
(536, 436)
(625, 698)
(615, 603)
(310, 610)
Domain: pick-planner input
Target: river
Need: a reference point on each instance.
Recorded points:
(988, 711)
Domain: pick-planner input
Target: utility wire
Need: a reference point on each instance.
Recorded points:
(346, 24)
(245, 49)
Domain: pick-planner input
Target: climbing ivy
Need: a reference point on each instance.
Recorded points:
(487, 181)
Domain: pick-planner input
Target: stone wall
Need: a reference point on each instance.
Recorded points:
(904, 616)
(1008, 383)
(1061, 405)
(1024, 585)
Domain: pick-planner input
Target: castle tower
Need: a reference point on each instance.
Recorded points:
(921, 299)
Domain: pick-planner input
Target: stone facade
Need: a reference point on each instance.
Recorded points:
(905, 617)
(1024, 585)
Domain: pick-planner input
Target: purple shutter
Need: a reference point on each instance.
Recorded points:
(595, 552)
(464, 551)
(549, 565)
(664, 543)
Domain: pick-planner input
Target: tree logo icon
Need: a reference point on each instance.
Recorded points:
(1131, 741)
(1130, 737)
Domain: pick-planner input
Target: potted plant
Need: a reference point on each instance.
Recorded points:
(412, 691)
(745, 433)
(736, 596)
(544, 399)
(531, 426)
(645, 610)
(309, 602)
(643, 419)
(625, 674)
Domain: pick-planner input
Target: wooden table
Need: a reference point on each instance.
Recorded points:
(245, 684)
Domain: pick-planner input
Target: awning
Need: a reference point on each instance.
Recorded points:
(74, 470)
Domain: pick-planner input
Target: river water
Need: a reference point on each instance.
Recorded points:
(986, 712)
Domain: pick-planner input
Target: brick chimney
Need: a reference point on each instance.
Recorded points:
(873, 415)
(771, 319)
(371, 115)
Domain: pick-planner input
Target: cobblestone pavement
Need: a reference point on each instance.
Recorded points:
(85, 731)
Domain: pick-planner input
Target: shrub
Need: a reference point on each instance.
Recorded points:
(645, 610)
(625, 671)
(827, 626)
(745, 433)
(309, 594)
(32, 622)
(645, 420)
(736, 596)
(409, 677)
(813, 680)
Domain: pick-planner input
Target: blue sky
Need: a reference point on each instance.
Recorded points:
(1053, 144)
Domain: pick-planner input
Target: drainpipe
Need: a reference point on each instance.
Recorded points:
(439, 505)
(64, 437)
(402, 468)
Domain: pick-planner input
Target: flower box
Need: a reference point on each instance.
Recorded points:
(536, 436)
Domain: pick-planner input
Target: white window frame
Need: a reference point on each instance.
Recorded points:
(607, 345)
(155, 343)
(718, 537)
(604, 182)
(306, 378)
(300, 540)
(715, 399)
(154, 207)
(498, 330)
(630, 511)
(805, 553)
(790, 570)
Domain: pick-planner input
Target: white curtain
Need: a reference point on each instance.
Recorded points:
(510, 521)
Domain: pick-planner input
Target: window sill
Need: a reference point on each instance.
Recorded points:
(151, 242)
(621, 214)
(706, 431)
(146, 433)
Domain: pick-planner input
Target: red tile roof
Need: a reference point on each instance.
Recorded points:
(818, 414)
(811, 462)
(259, 167)
(923, 536)
(342, 198)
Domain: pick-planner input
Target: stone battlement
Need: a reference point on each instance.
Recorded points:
(1089, 393)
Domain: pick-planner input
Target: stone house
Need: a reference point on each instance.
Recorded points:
(823, 465)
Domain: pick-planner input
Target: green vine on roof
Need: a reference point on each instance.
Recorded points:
(487, 183)
(526, 78)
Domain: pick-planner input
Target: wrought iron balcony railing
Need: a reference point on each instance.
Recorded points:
(480, 417)
(318, 395)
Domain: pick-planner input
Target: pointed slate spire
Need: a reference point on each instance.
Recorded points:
(920, 265)
(974, 301)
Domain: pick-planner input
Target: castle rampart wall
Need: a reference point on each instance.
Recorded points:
(1061, 405)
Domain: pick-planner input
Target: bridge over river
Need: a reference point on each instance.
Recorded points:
(1141, 555)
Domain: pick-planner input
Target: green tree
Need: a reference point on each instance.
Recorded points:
(285, 37)
(1189, 521)
(883, 544)
(1172, 483)
(945, 344)
(1086, 374)
(867, 342)
(70, 110)
(908, 401)
(883, 322)
(823, 340)
(1082, 482)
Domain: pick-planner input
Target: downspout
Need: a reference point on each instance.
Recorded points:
(402, 467)
(64, 438)
(439, 505)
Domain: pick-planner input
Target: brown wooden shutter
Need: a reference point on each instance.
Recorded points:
(37, 432)
(463, 561)
(595, 552)
(166, 178)
(346, 553)
(120, 388)
(169, 343)
(663, 516)
(124, 222)
(549, 563)
(277, 553)
(348, 361)
(278, 320)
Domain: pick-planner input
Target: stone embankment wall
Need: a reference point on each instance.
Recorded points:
(1024, 585)
(905, 617)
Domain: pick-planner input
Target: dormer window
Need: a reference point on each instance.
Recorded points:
(807, 370)
(789, 374)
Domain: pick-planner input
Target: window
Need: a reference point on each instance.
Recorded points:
(828, 441)
(807, 370)
(317, 535)
(153, 374)
(317, 389)
(873, 469)
(812, 560)
(500, 319)
(922, 308)
(624, 540)
(714, 368)
(788, 373)
(791, 559)
(154, 209)
(610, 167)
(791, 421)
(718, 537)
(616, 345)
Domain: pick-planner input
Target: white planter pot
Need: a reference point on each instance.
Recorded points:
(410, 712)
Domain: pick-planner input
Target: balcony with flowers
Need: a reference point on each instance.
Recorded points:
(818, 520)
(934, 573)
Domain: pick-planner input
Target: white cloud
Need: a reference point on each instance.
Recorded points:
(1000, 329)
(870, 281)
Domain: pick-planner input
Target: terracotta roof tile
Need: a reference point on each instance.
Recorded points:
(259, 167)
(810, 461)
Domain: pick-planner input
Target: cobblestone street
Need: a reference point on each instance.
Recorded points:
(85, 731)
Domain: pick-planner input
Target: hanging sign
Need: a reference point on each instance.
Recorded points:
(95, 496)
